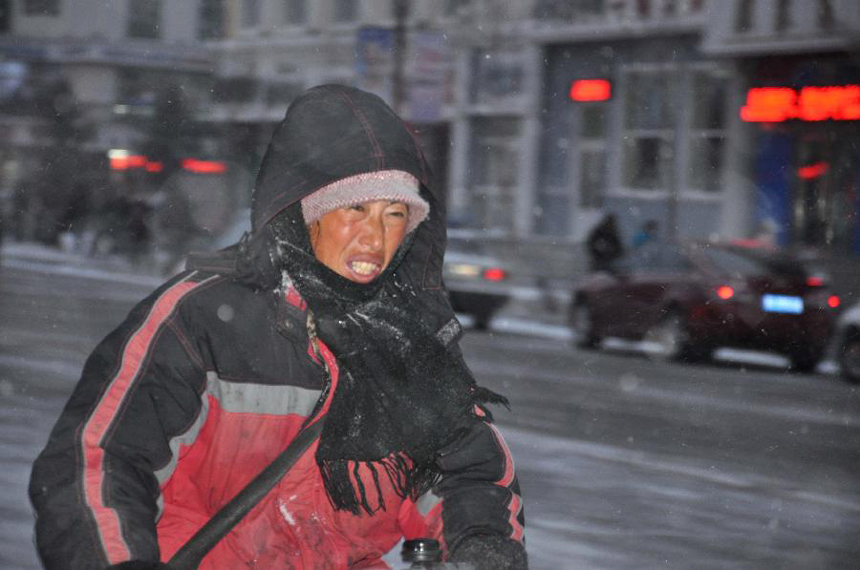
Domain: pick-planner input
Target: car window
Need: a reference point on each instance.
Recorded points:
(736, 263)
(644, 259)
(674, 259)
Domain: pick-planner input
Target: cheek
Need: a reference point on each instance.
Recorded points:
(394, 238)
(338, 242)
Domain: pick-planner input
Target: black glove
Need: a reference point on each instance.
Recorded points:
(490, 552)
(139, 565)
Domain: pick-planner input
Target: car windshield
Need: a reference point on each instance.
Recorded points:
(734, 262)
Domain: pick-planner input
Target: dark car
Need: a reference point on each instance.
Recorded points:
(477, 282)
(687, 299)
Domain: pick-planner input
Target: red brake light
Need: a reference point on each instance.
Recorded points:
(833, 301)
(814, 281)
(494, 274)
(725, 292)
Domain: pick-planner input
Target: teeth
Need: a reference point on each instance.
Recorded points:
(363, 267)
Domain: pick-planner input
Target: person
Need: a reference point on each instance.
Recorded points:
(604, 244)
(646, 234)
(332, 308)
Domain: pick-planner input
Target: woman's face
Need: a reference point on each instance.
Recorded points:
(359, 241)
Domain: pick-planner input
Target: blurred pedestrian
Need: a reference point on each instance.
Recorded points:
(646, 234)
(604, 244)
(329, 312)
(137, 229)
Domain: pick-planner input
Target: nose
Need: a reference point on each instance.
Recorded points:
(373, 233)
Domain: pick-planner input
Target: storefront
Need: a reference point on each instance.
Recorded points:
(634, 127)
(804, 117)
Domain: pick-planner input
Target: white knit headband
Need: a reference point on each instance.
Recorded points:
(395, 185)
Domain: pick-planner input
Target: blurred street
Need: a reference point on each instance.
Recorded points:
(624, 462)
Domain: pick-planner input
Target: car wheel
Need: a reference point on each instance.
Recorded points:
(581, 320)
(805, 360)
(849, 357)
(670, 340)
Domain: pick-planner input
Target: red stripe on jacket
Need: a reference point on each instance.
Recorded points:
(105, 412)
(507, 478)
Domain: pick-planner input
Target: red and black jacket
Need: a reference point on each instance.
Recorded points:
(184, 403)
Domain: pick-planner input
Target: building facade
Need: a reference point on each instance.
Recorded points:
(82, 82)
(538, 117)
(799, 83)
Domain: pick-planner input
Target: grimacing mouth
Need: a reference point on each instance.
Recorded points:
(365, 268)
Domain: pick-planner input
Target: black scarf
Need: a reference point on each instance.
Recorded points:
(404, 392)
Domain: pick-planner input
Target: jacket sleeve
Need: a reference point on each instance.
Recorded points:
(475, 510)
(94, 486)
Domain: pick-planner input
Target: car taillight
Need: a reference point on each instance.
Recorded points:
(833, 301)
(494, 274)
(815, 281)
(725, 292)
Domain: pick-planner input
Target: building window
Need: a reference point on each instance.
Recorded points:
(592, 154)
(496, 78)
(295, 12)
(643, 8)
(783, 15)
(345, 11)
(5, 16)
(250, 13)
(670, 8)
(707, 134)
(567, 10)
(744, 15)
(495, 159)
(648, 149)
(144, 19)
(825, 14)
(42, 7)
(210, 22)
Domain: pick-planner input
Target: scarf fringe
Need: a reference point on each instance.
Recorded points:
(346, 489)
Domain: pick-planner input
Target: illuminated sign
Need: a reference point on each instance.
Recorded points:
(203, 166)
(812, 171)
(121, 159)
(590, 90)
(778, 104)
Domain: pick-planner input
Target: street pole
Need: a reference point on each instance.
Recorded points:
(401, 13)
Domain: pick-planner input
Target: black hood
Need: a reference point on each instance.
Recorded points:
(329, 133)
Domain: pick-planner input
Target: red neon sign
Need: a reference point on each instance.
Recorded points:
(590, 90)
(203, 166)
(128, 161)
(812, 171)
(778, 104)
(154, 166)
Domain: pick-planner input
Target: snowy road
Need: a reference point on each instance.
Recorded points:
(624, 462)
(628, 463)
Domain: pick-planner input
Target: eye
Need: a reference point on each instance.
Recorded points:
(356, 207)
(398, 210)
